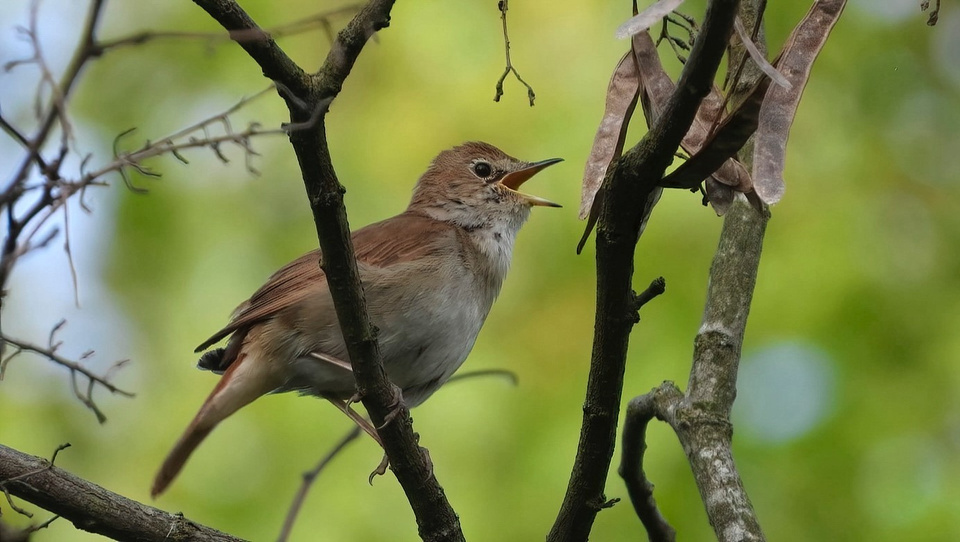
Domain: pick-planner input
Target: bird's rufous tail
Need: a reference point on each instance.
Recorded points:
(245, 380)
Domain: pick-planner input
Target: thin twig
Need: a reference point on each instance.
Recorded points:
(69, 252)
(503, 6)
(309, 478)
(75, 367)
(318, 20)
(82, 55)
(43, 525)
(657, 287)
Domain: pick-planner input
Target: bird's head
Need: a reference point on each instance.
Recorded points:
(476, 184)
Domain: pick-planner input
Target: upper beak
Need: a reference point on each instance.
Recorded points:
(514, 179)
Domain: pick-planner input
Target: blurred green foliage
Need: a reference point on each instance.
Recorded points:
(860, 270)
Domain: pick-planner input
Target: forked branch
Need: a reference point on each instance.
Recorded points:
(306, 97)
(628, 184)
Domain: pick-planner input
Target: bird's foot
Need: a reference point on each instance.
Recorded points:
(381, 469)
(395, 407)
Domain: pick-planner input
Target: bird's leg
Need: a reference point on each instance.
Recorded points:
(335, 361)
(362, 423)
(391, 414)
(394, 410)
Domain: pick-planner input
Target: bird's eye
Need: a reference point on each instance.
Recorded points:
(482, 170)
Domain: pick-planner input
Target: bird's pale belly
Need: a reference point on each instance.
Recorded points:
(421, 346)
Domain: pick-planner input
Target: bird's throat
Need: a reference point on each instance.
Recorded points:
(494, 246)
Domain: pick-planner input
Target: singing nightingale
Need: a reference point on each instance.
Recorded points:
(429, 274)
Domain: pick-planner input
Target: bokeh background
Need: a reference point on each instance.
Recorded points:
(848, 417)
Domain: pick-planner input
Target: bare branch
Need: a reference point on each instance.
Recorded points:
(657, 287)
(55, 111)
(309, 478)
(630, 182)
(76, 369)
(178, 142)
(93, 508)
(305, 95)
(317, 20)
(503, 6)
(640, 411)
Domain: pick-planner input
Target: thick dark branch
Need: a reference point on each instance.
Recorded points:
(308, 98)
(629, 182)
(93, 508)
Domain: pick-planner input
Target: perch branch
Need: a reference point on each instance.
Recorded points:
(306, 94)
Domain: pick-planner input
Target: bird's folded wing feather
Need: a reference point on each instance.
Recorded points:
(395, 240)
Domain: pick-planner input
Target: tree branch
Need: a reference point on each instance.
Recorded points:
(308, 479)
(307, 97)
(317, 20)
(701, 417)
(702, 421)
(640, 411)
(629, 182)
(274, 62)
(75, 368)
(93, 508)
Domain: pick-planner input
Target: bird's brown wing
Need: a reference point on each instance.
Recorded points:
(398, 239)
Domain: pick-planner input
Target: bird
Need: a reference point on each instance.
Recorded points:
(430, 276)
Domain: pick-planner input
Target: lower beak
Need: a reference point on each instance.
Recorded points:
(514, 179)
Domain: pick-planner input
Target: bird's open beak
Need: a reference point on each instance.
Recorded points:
(514, 179)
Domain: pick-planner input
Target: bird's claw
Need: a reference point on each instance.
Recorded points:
(380, 470)
(395, 409)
